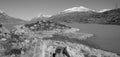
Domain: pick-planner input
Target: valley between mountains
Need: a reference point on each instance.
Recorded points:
(51, 37)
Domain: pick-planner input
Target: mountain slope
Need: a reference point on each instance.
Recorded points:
(107, 17)
(39, 18)
(4, 18)
(9, 21)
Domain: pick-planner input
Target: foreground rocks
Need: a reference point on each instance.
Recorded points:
(66, 49)
(32, 40)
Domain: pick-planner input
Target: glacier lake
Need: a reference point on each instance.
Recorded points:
(106, 36)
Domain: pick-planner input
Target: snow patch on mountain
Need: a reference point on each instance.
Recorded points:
(84, 9)
(79, 9)
(42, 15)
(103, 10)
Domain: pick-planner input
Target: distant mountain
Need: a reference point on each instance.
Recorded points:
(69, 10)
(42, 15)
(4, 18)
(9, 21)
(39, 18)
(83, 9)
(99, 17)
(78, 9)
(103, 10)
(112, 16)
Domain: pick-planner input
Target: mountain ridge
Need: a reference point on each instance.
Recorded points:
(107, 17)
(83, 9)
(8, 21)
(69, 10)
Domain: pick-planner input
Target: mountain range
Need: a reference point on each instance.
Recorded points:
(69, 10)
(105, 16)
(83, 9)
(75, 14)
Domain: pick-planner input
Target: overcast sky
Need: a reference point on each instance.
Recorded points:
(27, 9)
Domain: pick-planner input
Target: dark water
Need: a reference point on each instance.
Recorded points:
(106, 36)
(73, 40)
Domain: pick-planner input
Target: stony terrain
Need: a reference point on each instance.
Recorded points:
(30, 40)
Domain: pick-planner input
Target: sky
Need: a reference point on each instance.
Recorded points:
(28, 9)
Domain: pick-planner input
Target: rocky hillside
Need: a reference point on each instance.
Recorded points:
(36, 40)
(9, 21)
(4, 18)
(108, 17)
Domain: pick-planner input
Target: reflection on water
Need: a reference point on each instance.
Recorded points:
(107, 36)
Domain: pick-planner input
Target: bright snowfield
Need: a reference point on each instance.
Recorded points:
(83, 9)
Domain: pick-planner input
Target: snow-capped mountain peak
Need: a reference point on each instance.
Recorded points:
(42, 15)
(103, 10)
(79, 9)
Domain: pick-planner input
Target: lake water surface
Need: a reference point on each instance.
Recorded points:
(106, 36)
